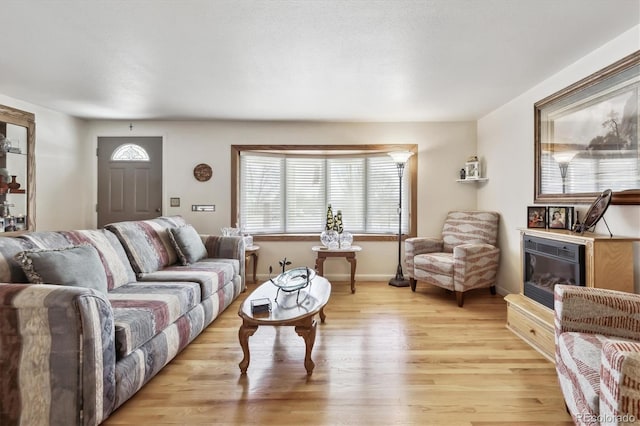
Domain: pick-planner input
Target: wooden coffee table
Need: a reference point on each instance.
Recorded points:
(285, 311)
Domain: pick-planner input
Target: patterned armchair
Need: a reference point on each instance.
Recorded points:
(597, 335)
(464, 258)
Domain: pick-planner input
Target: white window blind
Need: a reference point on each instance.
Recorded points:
(287, 193)
(345, 192)
(604, 169)
(305, 194)
(262, 196)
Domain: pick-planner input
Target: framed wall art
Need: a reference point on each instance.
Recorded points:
(536, 217)
(586, 138)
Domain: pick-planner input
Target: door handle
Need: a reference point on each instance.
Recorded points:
(158, 210)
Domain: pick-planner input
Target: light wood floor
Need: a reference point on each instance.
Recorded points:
(384, 356)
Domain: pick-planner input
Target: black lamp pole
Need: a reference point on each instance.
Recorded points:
(400, 159)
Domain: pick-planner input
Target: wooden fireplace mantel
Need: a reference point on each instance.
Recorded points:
(608, 264)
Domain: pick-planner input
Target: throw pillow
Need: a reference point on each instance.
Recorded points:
(188, 244)
(77, 266)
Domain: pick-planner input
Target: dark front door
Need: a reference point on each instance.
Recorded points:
(129, 178)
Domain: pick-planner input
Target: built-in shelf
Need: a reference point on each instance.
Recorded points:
(472, 180)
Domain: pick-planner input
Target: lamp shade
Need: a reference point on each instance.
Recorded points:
(400, 157)
(564, 157)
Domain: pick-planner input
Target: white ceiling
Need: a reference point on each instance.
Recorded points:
(390, 60)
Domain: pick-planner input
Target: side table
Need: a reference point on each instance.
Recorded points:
(322, 253)
(251, 252)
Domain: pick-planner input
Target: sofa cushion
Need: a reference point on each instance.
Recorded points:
(467, 227)
(147, 242)
(77, 266)
(210, 274)
(142, 310)
(188, 244)
(10, 268)
(114, 259)
(439, 263)
(46, 240)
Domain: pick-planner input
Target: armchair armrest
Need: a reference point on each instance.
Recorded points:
(619, 375)
(419, 245)
(57, 355)
(595, 310)
(476, 265)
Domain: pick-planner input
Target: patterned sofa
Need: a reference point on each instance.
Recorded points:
(597, 334)
(133, 296)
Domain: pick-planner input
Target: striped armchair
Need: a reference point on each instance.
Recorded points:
(597, 335)
(465, 257)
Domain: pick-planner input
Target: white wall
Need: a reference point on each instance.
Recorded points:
(443, 149)
(63, 175)
(505, 140)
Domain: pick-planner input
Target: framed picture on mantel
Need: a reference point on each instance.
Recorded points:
(536, 217)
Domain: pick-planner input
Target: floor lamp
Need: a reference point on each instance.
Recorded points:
(400, 158)
(563, 158)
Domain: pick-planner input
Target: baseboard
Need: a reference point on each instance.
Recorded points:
(344, 277)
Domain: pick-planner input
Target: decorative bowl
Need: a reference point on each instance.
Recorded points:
(294, 279)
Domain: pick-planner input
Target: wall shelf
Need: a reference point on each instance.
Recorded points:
(472, 180)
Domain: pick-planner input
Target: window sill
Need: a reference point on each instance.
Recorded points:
(316, 237)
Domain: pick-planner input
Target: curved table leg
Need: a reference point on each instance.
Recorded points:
(352, 260)
(246, 330)
(308, 333)
(322, 315)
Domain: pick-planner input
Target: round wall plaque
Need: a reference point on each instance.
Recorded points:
(202, 172)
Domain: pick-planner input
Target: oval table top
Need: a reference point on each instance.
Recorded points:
(286, 309)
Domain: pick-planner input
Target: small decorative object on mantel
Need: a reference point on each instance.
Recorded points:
(202, 172)
(463, 174)
(595, 213)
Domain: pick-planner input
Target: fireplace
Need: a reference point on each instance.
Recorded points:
(548, 263)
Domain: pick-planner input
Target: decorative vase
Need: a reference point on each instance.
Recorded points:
(346, 239)
(13, 184)
(330, 239)
(329, 223)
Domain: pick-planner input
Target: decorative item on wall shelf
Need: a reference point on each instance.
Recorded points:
(472, 168)
(202, 172)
